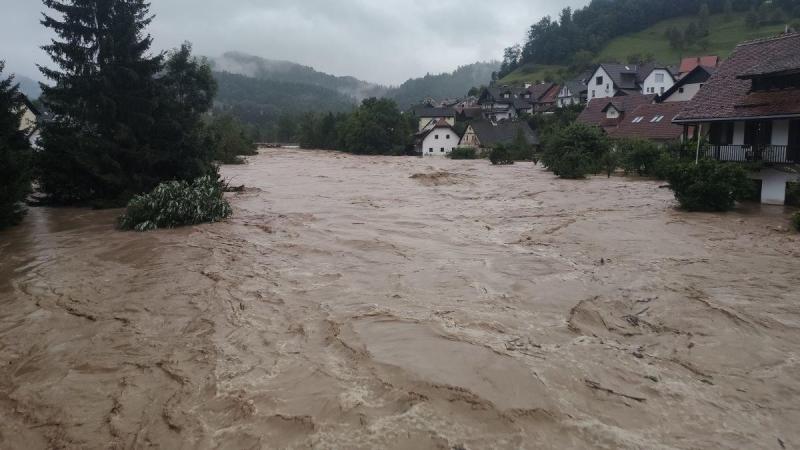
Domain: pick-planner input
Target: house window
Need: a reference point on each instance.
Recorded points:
(659, 78)
(662, 90)
(442, 150)
(430, 150)
(680, 90)
(656, 119)
(593, 95)
(599, 81)
(637, 119)
(447, 137)
(436, 136)
(758, 132)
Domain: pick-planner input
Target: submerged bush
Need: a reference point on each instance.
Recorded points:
(638, 156)
(709, 185)
(796, 221)
(576, 151)
(793, 194)
(464, 153)
(177, 203)
(501, 156)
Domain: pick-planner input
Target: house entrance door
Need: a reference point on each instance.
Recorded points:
(793, 151)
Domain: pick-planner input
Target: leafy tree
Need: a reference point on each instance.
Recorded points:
(708, 185)
(575, 151)
(638, 156)
(376, 127)
(501, 155)
(511, 57)
(15, 156)
(228, 139)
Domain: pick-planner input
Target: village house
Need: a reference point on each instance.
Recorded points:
(750, 111)
(614, 80)
(572, 93)
(502, 103)
(608, 113)
(437, 139)
(428, 115)
(483, 134)
(688, 86)
(29, 122)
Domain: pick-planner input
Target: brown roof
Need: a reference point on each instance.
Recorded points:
(688, 64)
(594, 113)
(726, 96)
(551, 95)
(539, 90)
(643, 122)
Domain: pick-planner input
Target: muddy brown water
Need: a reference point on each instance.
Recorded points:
(349, 305)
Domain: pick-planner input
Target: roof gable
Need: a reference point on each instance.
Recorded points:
(727, 95)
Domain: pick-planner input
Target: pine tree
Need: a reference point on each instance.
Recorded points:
(15, 182)
(103, 97)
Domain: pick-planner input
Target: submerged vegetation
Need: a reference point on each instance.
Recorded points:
(15, 155)
(501, 155)
(463, 153)
(709, 185)
(575, 151)
(796, 221)
(177, 203)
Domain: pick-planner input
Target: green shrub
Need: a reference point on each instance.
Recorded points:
(501, 155)
(638, 156)
(177, 203)
(793, 194)
(229, 139)
(575, 151)
(709, 185)
(463, 153)
(796, 221)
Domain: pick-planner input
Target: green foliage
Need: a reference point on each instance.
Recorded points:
(229, 139)
(796, 221)
(463, 153)
(501, 155)
(575, 151)
(177, 203)
(124, 120)
(793, 194)
(709, 185)
(376, 128)
(15, 154)
(445, 85)
(638, 156)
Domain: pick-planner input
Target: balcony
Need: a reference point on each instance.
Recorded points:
(777, 154)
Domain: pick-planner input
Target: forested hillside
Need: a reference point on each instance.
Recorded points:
(578, 38)
(267, 69)
(446, 85)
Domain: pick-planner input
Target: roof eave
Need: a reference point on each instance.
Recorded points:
(737, 119)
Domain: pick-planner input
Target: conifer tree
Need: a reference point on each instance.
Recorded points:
(125, 119)
(15, 182)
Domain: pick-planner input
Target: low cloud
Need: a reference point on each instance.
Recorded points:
(384, 41)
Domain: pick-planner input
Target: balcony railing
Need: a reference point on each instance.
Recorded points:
(779, 154)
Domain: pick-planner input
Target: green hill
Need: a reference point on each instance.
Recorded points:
(723, 37)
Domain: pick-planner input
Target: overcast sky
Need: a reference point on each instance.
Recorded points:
(384, 41)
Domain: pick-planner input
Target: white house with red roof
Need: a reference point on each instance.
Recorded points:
(437, 140)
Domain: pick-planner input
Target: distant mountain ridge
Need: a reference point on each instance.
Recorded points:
(28, 86)
(287, 71)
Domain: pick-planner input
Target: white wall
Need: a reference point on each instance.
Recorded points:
(599, 90)
(780, 132)
(773, 187)
(738, 133)
(440, 142)
(651, 86)
(28, 122)
(689, 91)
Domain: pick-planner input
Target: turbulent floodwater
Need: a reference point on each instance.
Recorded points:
(352, 304)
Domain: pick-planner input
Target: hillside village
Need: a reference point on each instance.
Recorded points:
(738, 105)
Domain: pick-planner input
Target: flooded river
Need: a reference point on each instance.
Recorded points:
(374, 302)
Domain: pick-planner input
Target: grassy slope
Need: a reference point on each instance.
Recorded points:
(723, 38)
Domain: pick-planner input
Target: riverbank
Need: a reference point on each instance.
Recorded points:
(351, 304)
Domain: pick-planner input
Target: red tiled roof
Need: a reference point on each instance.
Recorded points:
(539, 90)
(688, 64)
(594, 113)
(646, 128)
(551, 95)
(725, 96)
